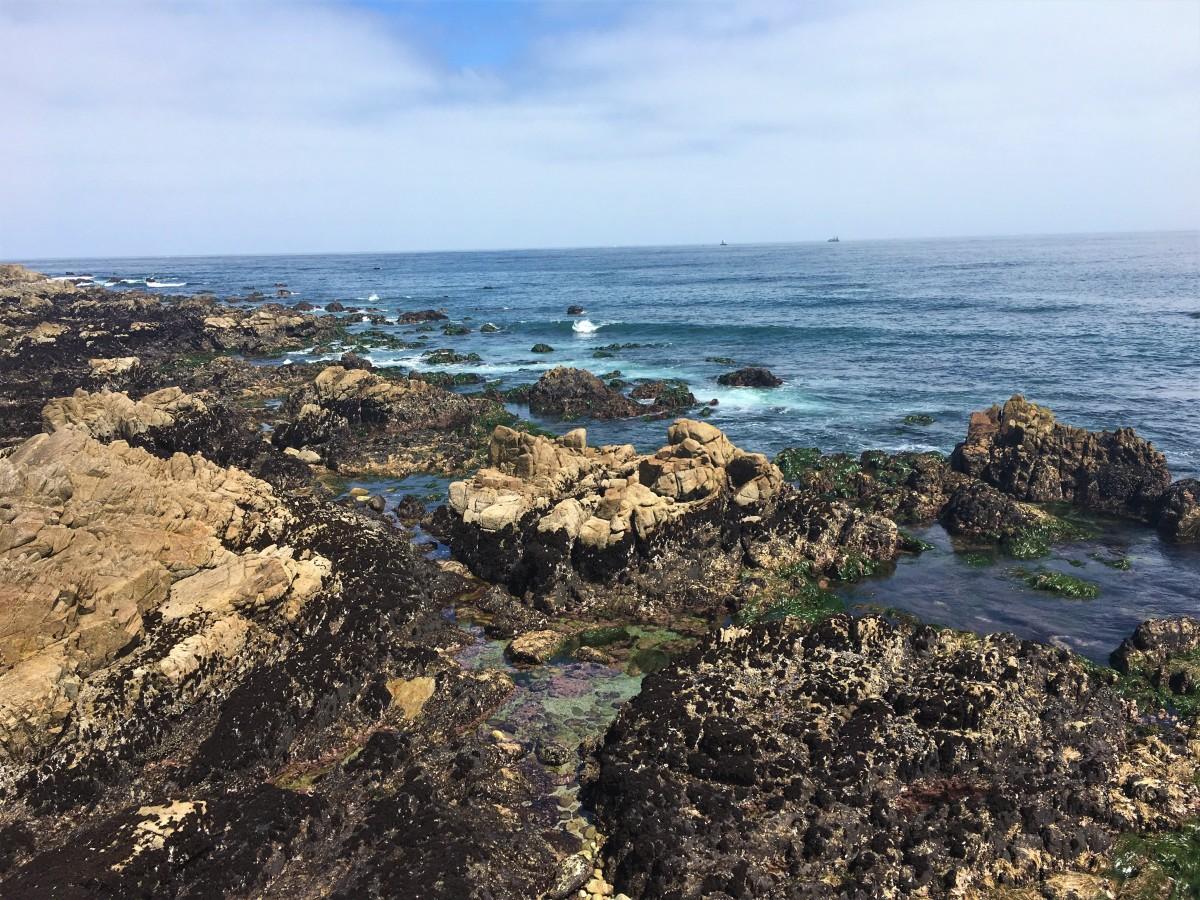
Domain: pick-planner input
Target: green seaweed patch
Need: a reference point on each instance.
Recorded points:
(1175, 685)
(721, 360)
(910, 543)
(833, 476)
(1160, 865)
(921, 419)
(855, 567)
(1120, 563)
(1062, 584)
(793, 593)
(1034, 541)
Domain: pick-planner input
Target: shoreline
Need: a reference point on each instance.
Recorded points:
(217, 658)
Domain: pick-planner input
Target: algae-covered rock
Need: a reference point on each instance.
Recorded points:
(866, 758)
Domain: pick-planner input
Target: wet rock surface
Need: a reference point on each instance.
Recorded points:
(570, 393)
(864, 758)
(1177, 513)
(751, 376)
(1021, 449)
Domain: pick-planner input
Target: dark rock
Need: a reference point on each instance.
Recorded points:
(576, 310)
(488, 328)
(419, 316)
(552, 753)
(1023, 451)
(751, 376)
(351, 360)
(1177, 513)
(455, 330)
(866, 759)
(571, 393)
(541, 348)
(672, 394)
(979, 510)
(376, 503)
(335, 307)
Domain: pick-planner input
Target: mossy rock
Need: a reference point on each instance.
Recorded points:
(446, 357)
(1159, 865)
(541, 348)
(454, 330)
(1034, 541)
(920, 419)
(488, 328)
(1062, 584)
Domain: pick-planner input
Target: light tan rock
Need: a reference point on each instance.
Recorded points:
(119, 365)
(93, 536)
(107, 415)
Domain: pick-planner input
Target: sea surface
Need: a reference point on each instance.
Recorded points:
(1104, 329)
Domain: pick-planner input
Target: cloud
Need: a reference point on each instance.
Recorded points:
(155, 127)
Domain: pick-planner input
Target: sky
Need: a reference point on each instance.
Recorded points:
(170, 127)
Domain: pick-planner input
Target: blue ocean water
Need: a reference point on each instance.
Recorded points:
(1104, 329)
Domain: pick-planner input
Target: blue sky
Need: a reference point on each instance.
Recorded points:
(245, 126)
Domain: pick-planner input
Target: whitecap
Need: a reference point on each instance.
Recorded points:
(585, 326)
(365, 319)
(162, 284)
(374, 298)
(133, 281)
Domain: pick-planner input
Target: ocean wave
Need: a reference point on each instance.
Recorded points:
(373, 298)
(585, 326)
(165, 284)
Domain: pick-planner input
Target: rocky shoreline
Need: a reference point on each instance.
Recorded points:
(223, 675)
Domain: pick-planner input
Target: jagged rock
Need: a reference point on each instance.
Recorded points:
(107, 415)
(112, 368)
(1155, 651)
(535, 647)
(1023, 451)
(671, 394)
(422, 315)
(864, 758)
(569, 524)
(1177, 514)
(408, 424)
(575, 310)
(94, 537)
(979, 510)
(571, 393)
(751, 376)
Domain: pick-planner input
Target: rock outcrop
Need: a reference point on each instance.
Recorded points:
(568, 524)
(1021, 449)
(862, 758)
(751, 376)
(571, 393)
(94, 539)
(1177, 513)
(357, 420)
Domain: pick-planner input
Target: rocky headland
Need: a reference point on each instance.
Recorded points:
(222, 676)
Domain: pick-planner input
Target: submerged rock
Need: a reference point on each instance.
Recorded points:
(1021, 449)
(751, 376)
(864, 758)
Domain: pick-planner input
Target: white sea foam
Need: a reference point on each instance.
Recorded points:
(162, 284)
(374, 298)
(76, 278)
(585, 326)
(365, 319)
(133, 281)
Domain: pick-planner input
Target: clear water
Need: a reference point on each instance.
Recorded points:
(1105, 329)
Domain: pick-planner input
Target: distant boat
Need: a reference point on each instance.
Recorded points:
(723, 244)
(832, 240)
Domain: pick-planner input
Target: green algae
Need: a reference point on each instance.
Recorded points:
(1120, 563)
(1160, 865)
(1034, 541)
(921, 419)
(1060, 583)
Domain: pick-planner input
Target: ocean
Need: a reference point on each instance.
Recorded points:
(1104, 329)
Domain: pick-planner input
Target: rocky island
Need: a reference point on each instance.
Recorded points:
(226, 671)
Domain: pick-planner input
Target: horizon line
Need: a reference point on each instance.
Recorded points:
(584, 247)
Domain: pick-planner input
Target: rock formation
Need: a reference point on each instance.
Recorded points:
(569, 524)
(1021, 449)
(751, 376)
(863, 758)
(359, 421)
(571, 393)
(1177, 513)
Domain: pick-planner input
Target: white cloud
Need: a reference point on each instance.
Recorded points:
(140, 128)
